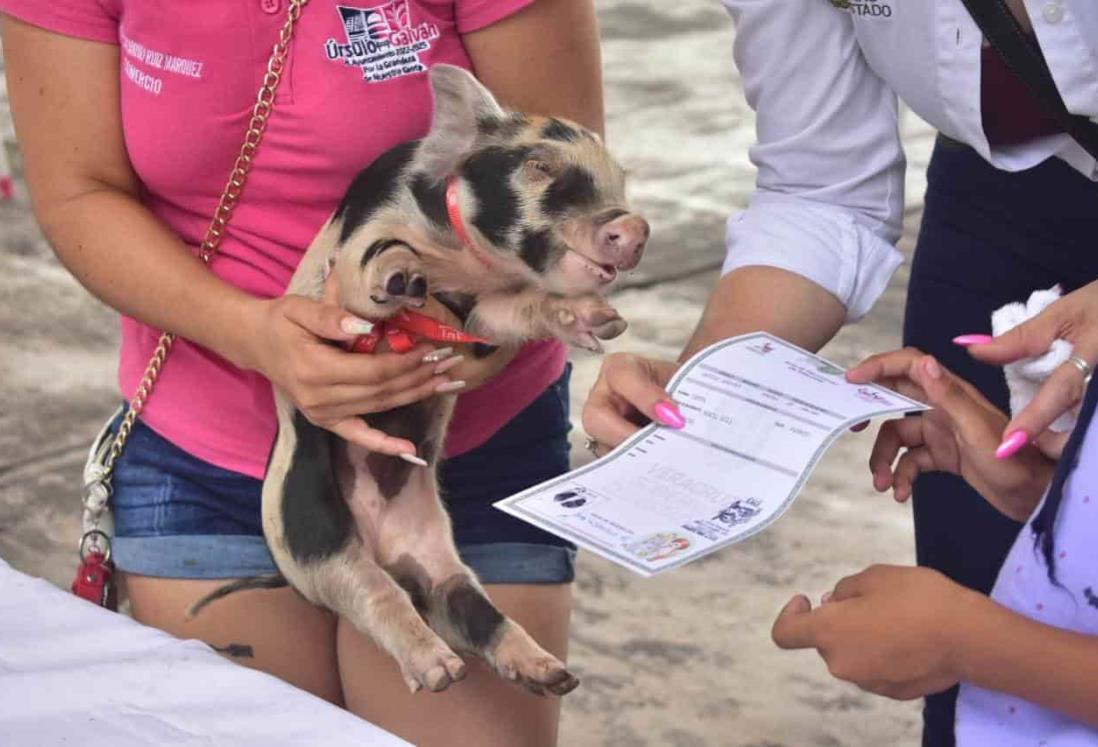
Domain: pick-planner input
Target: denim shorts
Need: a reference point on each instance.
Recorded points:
(179, 517)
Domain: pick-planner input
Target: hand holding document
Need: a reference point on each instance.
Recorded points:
(760, 412)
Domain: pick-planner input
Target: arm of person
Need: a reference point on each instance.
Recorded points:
(814, 248)
(770, 299)
(545, 59)
(907, 632)
(65, 100)
(828, 201)
(1049, 666)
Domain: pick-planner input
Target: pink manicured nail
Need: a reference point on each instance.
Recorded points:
(1011, 445)
(449, 386)
(413, 459)
(352, 325)
(966, 340)
(447, 364)
(438, 355)
(669, 415)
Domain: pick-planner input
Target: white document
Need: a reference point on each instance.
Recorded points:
(760, 413)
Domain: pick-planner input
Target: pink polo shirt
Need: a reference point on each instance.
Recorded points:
(355, 86)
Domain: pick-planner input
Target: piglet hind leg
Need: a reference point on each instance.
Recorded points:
(463, 614)
(368, 597)
(448, 594)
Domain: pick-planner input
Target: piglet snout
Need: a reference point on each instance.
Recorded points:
(622, 240)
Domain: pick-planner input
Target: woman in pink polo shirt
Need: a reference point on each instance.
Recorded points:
(130, 115)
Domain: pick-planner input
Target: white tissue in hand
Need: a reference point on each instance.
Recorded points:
(1024, 377)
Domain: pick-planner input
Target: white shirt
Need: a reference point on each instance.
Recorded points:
(824, 82)
(985, 717)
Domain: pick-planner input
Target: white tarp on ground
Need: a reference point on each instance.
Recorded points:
(73, 673)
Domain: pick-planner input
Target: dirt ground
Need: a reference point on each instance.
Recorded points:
(683, 660)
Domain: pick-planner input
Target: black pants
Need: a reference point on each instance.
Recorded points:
(988, 237)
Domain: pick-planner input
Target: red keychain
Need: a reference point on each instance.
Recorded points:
(95, 576)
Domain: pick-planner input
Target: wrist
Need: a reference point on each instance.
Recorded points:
(974, 628)
(1023, 500)
(241, 333)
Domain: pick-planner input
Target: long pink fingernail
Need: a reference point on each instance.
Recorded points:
(352, 325)
(669, 415)
(438, 355)
(447, 364)
(966, 340)
(413, 459)
(1011, 445)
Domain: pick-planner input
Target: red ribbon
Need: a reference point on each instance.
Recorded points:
(403, 330)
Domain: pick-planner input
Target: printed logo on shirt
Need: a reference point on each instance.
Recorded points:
(383, 41)
(874, 8)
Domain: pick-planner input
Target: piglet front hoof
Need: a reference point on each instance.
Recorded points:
(585, 320)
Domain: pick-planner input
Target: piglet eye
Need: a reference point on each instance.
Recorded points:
(541, 166)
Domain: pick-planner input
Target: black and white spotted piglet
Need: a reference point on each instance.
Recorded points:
(537, 226)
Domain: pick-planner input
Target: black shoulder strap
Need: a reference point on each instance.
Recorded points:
(1025, 60)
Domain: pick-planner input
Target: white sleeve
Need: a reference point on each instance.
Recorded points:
(828, 202)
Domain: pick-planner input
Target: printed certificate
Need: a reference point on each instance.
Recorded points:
(760, 412)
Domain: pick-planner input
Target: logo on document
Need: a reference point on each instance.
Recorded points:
(739, 511)
(382, 41)
(736, 513)
(658, 546)
(765, 348)
(574, 498)
(873, 396)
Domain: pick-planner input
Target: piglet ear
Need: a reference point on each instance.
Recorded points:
(462, 104)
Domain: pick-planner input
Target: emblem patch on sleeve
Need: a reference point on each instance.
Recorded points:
(383, 41)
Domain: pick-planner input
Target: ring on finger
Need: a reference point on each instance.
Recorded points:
(1083, 366)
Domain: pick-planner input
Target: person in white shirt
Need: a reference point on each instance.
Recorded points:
(1027, 658)
(1011, 206)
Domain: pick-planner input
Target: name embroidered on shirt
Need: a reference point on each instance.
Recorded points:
(382, 41)
(142, 80)
(864, 7)
(138, 52)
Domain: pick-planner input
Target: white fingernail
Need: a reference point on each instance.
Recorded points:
(449, 386)
(412, 458)
(437, 355)
(352, 325)
(449, 363)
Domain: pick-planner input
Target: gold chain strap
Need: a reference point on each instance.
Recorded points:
(229, 197)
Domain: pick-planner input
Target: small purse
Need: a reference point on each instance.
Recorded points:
(95, 576)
